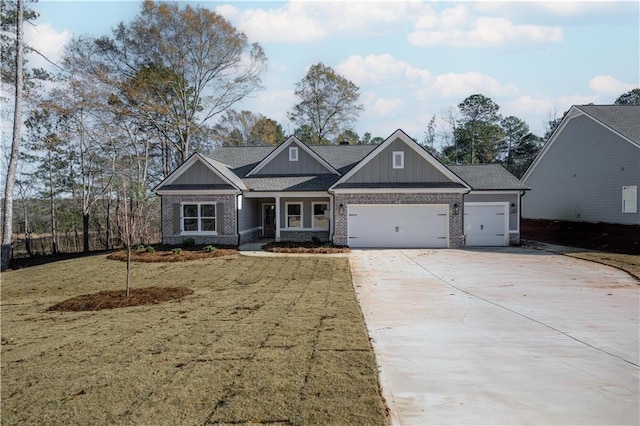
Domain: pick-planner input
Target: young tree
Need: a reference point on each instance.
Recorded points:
(632, 97)
(328, 104)
(176, 68)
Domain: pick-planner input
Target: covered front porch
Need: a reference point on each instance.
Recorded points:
(285, 216)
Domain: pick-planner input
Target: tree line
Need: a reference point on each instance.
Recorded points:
(124, 109)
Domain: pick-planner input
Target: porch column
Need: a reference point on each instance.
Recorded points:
(277, 218)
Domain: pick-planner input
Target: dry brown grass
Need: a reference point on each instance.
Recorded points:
(626, 262)
(261, 340)
(169, 256)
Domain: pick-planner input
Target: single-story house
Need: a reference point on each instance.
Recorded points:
(394, 194)
(589, 170)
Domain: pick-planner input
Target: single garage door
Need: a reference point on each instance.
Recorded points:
(486, 224)
(398, 226)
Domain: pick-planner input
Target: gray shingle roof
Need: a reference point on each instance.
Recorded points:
(291, 183)
(488, 177)
(624, 119)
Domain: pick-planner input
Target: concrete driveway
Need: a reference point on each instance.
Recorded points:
(501, 336)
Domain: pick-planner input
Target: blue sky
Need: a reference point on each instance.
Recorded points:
(413, 60)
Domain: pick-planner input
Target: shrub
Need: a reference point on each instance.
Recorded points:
(140, 247)
(208, 249)
(188, 243)
(177, 250)
(150, 249)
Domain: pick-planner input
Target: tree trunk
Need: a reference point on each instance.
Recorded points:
(7, 229)
(108, 224)
(85, 233)
(128, 267)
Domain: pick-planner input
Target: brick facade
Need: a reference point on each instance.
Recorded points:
(303, 236)
(226, 224)
(456, 236)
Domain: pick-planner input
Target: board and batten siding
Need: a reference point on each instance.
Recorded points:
(498, 198)
(380, 168)
(280, 164)
(249, 215)
(581, 176)
(198, 174)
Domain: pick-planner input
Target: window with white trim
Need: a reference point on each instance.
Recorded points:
(320, 221)
(630, 199)
(294, 215)
(198, 218)
(293, 153)
(398, 159)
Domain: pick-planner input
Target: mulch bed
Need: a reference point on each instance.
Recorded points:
(624, 239)
(170, 256)
(304, 247)
(118, 299)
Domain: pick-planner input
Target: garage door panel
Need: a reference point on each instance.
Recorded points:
(398, 226)
(486, 224)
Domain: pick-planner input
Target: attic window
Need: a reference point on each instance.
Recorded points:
(293, 153)
(398, 159)
(630, 199)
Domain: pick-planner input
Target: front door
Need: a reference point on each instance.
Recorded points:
(269, 220)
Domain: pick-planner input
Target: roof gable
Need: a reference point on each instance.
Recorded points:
(419, 167)
(278, 162)
(201, 173)
(622, 121)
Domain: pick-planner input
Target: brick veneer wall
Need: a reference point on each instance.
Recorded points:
(171, 228)
(456, 236)
(303, 236)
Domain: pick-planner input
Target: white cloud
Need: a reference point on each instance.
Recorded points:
(455, 27)
(385, 107)
(46, 40)
(381, 70)
(299, 22)
(608, 85)
(458, 86)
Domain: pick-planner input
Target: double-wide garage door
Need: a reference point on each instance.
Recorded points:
(398, 226)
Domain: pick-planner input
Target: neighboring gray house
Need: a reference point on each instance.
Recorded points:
(390, 195)
(589, 170)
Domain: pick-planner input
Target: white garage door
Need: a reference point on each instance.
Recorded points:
(486, 224)
(408, 226)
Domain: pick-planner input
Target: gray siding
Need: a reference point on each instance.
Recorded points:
(581, 176)
(498, 198)
(380, 168)
(306, 164)
(198, 174)
(249, 216)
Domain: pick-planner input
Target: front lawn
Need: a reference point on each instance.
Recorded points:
(260, 340)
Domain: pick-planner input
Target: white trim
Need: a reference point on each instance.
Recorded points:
(199, 192)
(291, 140)
(293, 153)
(501, 192)
(286, 215)
(307, 194)
(399, 134)
(397, 155)
(313, 215)
(632, 196)
(400, 191)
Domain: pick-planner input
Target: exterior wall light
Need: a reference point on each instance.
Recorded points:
(456, 209)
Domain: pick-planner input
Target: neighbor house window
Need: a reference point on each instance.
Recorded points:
(293, 153)
(319, 219)
(198, 217)
(398, 159)
(630, 199)
(294, 215)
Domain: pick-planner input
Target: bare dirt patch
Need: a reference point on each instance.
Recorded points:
(260, 340)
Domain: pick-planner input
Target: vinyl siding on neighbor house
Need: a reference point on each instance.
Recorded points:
(280, 164)
(380, 168)
(580, 177)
